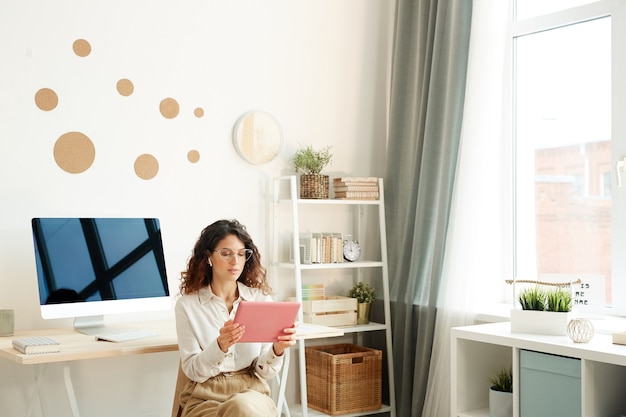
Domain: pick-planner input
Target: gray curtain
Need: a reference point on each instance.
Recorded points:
(426, 111)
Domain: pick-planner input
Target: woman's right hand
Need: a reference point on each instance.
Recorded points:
(229, 335)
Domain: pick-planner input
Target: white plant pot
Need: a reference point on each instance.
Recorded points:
(540, 322)
(500, 403)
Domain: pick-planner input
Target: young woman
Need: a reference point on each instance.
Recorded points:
(226, 378)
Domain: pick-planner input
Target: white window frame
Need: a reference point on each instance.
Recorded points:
(616, 10)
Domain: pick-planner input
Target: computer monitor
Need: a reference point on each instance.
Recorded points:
(89, 267)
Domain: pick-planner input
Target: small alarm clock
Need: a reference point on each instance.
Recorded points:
(351, 250)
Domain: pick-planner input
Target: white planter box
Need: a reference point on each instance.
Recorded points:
(540, 322)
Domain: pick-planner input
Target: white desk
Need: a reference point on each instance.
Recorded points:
(76, 346)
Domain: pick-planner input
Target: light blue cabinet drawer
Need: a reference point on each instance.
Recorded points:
(549, 385)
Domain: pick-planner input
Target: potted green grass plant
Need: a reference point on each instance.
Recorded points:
(501, 393)
(543, 311)
(310, 162)
(365, 296)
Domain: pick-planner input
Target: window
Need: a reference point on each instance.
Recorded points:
(569, 215)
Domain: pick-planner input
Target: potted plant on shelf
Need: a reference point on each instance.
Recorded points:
(501, 394)
(310, 163)
(543, 311)
(365, 296)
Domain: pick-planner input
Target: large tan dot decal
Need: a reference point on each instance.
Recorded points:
(198, 112)
(146, 166)
(125, 87)
(193, 156)
(81, 47)
(46, 99)
(74, 152)
(169, 108)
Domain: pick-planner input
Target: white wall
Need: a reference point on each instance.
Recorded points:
(319, 66)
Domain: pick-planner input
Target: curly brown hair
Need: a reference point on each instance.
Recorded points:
(198, 274)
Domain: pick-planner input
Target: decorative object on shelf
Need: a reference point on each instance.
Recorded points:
(344, 378)
(365, 295)
(544, 311)
(501, 394)
(310, 163)
(356, 188)
(580, 330)
(257, 137)
(351, 249)
(333, 310)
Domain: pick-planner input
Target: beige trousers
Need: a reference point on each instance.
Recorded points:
(240, 394)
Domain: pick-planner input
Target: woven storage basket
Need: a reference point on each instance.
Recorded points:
(343, 378)
(314, 186)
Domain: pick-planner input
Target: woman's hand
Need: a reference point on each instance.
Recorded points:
(286, 341)
(229, 335)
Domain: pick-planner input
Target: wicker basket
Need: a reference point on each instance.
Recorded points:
(314, 186)
(343, 378)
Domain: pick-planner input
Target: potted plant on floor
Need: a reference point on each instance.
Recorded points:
(501, 394)
(310, 163)
(365, 296)
(543, 311)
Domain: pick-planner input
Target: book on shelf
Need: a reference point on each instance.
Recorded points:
(326, 248)
(356, 180)
(364, 195)
(41, 344)
(313, 292)
(356, 188)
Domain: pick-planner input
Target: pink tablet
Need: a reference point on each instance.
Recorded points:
(265, 320)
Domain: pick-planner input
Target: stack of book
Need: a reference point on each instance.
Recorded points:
(356, 188)
(313, 292)
(319, 248)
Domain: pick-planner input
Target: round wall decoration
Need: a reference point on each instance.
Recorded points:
(257, 137)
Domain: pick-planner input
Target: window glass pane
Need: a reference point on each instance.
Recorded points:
(563, 152)
(532, 8)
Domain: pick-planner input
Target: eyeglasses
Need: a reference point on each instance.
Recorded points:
(228, 254)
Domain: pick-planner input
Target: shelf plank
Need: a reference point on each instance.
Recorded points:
(340, 265)
(330, 201)
(296, 411)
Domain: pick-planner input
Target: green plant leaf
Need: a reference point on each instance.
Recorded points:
(311, 161)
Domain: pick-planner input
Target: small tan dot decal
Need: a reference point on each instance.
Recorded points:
(46, 99)
(193, 156)
(169, 108)
(125, 87)
(81, 47)
(199, 112)
(146, 166)
(74, 152)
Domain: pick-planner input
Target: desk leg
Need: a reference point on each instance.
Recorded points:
(40, 371)
(70, 390)
(282, 385)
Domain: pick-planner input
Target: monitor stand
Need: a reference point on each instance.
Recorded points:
(92, 325)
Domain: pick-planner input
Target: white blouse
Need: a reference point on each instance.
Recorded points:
(199, 317)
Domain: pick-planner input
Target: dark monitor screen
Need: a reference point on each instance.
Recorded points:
(95, 266)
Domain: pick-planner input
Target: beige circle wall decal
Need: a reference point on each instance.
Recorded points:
(46, 99)
(146, 166)
(74, 152)
(193, 156)
(81, 47)
(198, 112)
(169, 108)
(125, 87)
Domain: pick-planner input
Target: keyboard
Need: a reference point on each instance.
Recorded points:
(126, 335)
